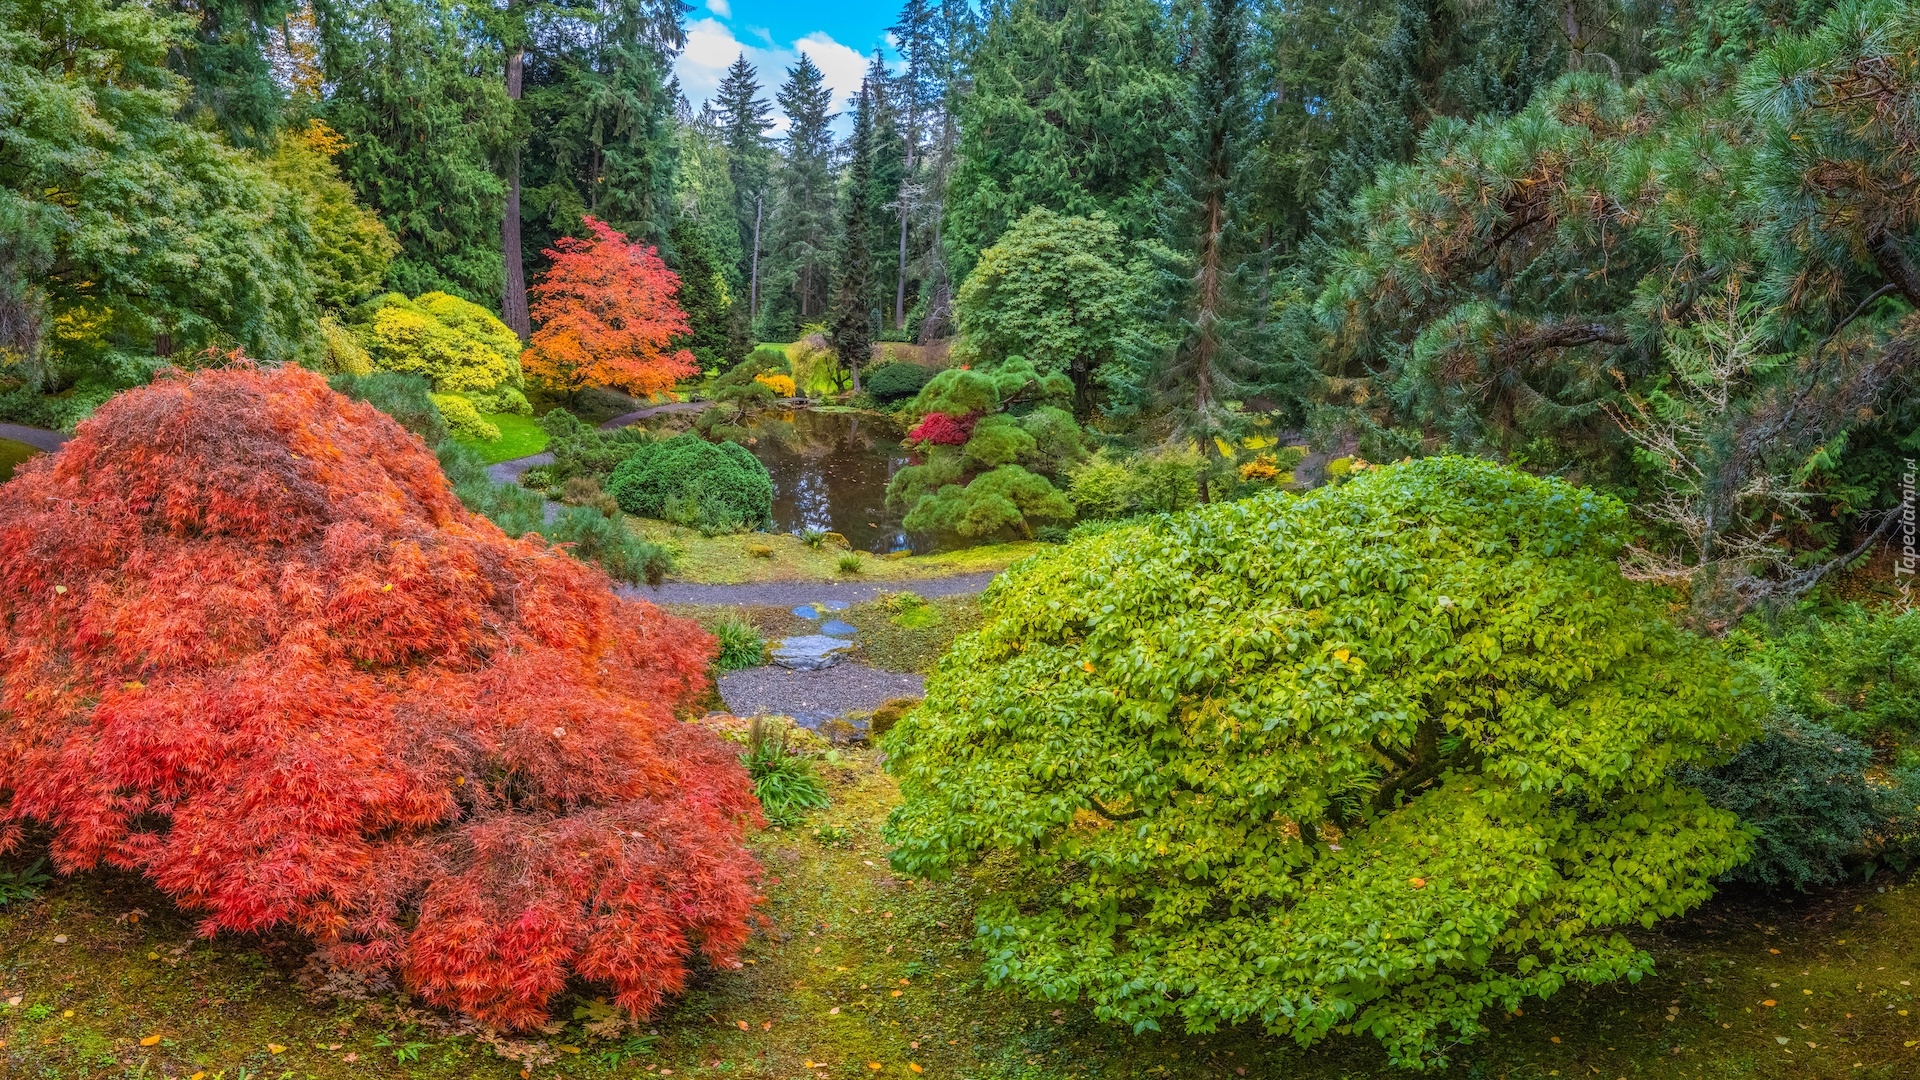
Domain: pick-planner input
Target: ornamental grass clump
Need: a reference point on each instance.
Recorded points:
(253, 647)
(1376, 759)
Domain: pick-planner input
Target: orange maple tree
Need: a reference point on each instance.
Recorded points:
(608, 316)
(253, 647)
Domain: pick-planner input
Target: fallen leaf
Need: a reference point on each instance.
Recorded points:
(15, 1000)
(897, 993)
(59, 939)
(1555, 1038)
(1781, 1039)
(742, 1023)
(1775, 952)
(198, 1076)
(151, 1040)
(1769, 1003)
(835, 1011)
(915, 1066)
(1341, 655)
(275, 1048)
(767, 1026)
(1086, 666)
(1418, 882)
(874, 1065)
(565, 1049)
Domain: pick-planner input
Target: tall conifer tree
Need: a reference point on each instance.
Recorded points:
(803, 212)
(744, 118)
(850, 325)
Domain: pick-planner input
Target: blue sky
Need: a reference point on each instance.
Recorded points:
(839, 37)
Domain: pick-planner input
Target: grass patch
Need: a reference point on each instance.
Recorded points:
(519, 437)
(12, 453)
(820, 982)
(910, 637)
(743, 558)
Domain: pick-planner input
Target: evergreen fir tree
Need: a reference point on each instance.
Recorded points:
(225, 61)
(802, 232)
(703, 292)
(850, 326)
(884, 194)
(1068, 109)
(744, 118)
(1212, 359)
(420, 99)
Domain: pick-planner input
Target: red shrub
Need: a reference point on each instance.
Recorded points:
(253, 647)
(943, 430)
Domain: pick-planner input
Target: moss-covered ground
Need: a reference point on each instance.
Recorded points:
(745, 558)
(12, 453)
(859, 973)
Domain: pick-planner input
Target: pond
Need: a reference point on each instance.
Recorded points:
(831, 474)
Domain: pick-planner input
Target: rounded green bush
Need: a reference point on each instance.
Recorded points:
(1373, 759)
(715, 487)
(896, 381)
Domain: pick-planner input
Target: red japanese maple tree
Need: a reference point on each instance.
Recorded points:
(253, 647)
(608, 315)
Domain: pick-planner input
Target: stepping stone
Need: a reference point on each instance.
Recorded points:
(837, 628)
(807, 611)
(810, 652)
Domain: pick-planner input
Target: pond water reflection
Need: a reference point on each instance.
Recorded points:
(831, 474)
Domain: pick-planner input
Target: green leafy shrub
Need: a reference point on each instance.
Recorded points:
(1162, 481)
(741, 645)
(715, 487)
(784, 779)
(1802, 789)
(24, 884)
(895, 381)
(1854, 669)
(595, 536)
(581, 450)
(1374, 759)
(1008, 498)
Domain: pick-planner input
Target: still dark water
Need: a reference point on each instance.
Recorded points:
(832, 474)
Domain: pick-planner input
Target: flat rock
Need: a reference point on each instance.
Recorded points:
(836, 628)
(809, 652)
(806, 611)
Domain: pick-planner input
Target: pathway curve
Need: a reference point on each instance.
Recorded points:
(508, 472)
(653, 410)
(33, 436)
(791, 593)
(814, 697)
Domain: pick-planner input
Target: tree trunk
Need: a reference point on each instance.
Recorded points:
(1893, 262)
(513, 298)
(753, 291)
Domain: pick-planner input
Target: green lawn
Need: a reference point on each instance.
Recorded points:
(12, 453)
(856, 968)
(519, 437)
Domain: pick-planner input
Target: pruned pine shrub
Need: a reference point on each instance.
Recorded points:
(254, 648)
(714, 487)
(1376, 759)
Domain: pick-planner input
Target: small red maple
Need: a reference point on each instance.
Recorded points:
(608, 316)
(253, 647)
(943, 430)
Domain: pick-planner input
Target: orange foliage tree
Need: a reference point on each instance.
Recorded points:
(608, 316)
(253, 647)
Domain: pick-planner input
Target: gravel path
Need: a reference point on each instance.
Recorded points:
(814, 697)
(653, 410)
(33, 436)
(508, 472)
(792, 593)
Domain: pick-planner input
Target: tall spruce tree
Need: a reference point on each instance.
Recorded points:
(416, 89)
(955, 39)
(850, 323)
(225, 61)
(918, 93)
(885, 192)
(803, 210)
(1069, 109)
(1212, 359)
(745, 118)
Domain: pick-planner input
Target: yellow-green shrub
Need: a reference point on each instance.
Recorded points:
(463, 419)
(459, 346)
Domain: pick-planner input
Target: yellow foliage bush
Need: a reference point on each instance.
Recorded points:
(779, 384)
(459, 346)
(463, 419)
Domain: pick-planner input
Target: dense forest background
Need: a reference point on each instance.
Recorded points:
(1664, 248)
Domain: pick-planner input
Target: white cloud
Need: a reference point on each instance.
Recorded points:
(712, 47)
(720, 8)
